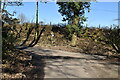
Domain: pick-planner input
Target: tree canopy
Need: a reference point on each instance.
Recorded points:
(73, 12)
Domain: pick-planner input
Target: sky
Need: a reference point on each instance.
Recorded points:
(102, 13)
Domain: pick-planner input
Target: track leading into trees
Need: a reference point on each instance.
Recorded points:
(68, 65)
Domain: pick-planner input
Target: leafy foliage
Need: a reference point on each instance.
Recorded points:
(73, 11)
(71, 29)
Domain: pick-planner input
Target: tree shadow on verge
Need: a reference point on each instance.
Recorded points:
(30, 69)
(37, 71)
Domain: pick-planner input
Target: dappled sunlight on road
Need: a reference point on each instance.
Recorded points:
(63, 64)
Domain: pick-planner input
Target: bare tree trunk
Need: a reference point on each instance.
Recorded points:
(30, 45)
(116, 47)
(74, 39)
(38, 38)
(75, 21)
(18, 35)
(28, 34)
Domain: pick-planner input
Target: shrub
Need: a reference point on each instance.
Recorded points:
(112, 36)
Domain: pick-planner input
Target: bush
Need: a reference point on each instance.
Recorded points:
(8, 39)
(112, 36)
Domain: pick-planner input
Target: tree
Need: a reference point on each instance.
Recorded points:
(22, 18)
(73, 12)
(8, 36)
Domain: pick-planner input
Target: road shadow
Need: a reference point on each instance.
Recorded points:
(64, 60)
(37, 70)
(97, 57)
(34, 68)
(29, 69)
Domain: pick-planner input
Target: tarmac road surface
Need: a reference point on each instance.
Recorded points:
(63, 64)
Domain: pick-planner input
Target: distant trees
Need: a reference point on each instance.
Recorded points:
(22, 18)
(73, 12)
